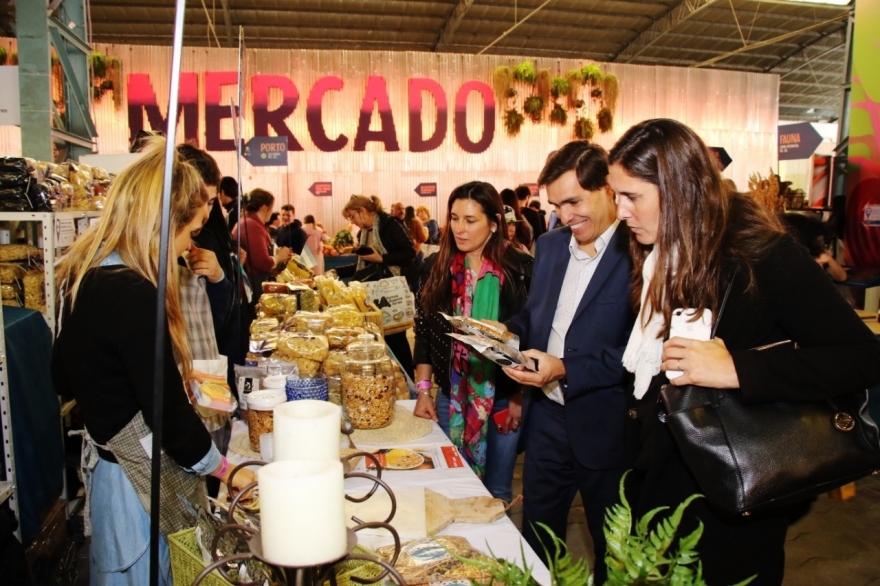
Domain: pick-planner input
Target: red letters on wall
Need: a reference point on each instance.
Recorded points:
(142, 103)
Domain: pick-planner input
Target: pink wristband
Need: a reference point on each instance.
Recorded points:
(224, 466)
(423, 384)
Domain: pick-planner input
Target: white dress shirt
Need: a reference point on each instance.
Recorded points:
(580, 270)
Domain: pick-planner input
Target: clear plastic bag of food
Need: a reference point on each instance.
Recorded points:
(334, 364)
(332, 290)
(263, 325)
(432, 560)
(306, 298)
(340, 337)
(358, 292)
(209, 386)
(272, 305)
(312, 322)
(347, 316)
(302, 345)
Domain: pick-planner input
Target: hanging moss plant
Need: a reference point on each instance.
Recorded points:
(579, 104)
(511, 92)
(596, 93)
(592, 74)
(106, 77)
(559, 86)
(513, 121)
(542, 85)
(502, 78)
(99, 64)
(534, 107)
(584, 128)
(558, 115)
(605, 119)
(611, 87)
(525, 72)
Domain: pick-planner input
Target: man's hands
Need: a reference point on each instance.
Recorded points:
(282, 255)
(203, 262)
(549, 369)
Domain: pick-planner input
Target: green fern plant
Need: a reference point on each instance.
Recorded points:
(513, 121)
(559, 86)
(534, 107)
(558, 115)
(525, 72)
(592, 74)
(584, 128)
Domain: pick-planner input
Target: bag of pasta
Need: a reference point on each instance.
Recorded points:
(432, 560)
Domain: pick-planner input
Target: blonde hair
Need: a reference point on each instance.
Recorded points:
(357, 202)
(130, 227)
(424, 208)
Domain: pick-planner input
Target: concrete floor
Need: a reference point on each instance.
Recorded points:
(836, 543)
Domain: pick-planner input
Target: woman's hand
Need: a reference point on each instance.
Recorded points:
(243, 477)
(282, 255)
(372, 257)
(707, 364)
(549, 369)
(514, 414)
(204, 262)
(425, 407)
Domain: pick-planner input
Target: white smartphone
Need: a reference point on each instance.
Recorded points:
(682, 326)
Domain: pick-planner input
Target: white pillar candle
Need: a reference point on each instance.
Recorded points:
(302, 512)
(307, 430)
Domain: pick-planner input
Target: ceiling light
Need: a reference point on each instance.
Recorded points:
(811, 111)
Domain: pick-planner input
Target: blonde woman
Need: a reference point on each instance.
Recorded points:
(424, 216)
(104, 356)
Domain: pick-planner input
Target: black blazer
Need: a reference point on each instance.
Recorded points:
(434, 347)
(596, 383)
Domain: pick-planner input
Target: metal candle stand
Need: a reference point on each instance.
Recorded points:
(252, 548)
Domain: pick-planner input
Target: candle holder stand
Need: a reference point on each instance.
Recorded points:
(249, 545)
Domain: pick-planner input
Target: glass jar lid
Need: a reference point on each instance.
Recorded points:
(365, 349)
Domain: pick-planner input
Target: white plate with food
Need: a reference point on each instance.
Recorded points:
(402, 459)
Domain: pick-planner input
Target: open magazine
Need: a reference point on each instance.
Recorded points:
(499, 346)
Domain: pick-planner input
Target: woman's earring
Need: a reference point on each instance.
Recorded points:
(493, 230)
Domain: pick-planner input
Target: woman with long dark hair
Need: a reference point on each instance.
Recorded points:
(476, 273)
(691, 239)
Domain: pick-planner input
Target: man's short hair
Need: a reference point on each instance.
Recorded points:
(523, 193)
(288, 208)
(229, 187)
(202, 161)
(589, 162)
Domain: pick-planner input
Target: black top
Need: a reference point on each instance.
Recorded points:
(293, 236)
(535, 220)
(434, 347)
(399, 251)
(104, 357)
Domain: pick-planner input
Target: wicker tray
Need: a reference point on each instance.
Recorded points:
(186, 560)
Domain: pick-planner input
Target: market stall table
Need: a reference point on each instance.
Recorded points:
(502, 536)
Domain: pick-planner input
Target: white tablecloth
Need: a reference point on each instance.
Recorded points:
(502, 536)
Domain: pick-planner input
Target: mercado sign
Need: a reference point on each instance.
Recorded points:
(142, 103)
(798, 141)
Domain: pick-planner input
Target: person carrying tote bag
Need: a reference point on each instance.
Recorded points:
(690, 241)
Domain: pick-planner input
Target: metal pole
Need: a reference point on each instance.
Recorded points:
(238, 155)
(161, 320)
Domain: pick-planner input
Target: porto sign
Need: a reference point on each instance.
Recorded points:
(266, 151)
(373, 100)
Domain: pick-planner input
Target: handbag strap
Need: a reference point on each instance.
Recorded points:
(724, 300)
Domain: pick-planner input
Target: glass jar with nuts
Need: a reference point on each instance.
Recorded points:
(368, 391)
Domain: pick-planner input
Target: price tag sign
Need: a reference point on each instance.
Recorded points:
(65, 232)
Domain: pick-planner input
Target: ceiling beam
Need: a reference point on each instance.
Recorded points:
(805, 46)
(514, 27)
(451, 25)
(660, 27)
(770, 41)
(228, 21)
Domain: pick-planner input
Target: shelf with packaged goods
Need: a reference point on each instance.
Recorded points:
(52, 232)
(6, 489)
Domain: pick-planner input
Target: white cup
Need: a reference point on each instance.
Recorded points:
(267, 447)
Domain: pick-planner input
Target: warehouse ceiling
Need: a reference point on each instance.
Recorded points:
(803, 42)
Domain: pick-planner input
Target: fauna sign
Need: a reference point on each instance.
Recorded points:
(144, 112)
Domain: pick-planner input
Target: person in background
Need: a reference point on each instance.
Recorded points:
(398, 211)
(536, 205)
(511, 220)
(390, 248)
(260, 263)
(416, 231)
(523, 229)
(523, 193)
(691, 240)
(273, 225)
(315, 239)
(813, 234)
(575, 326)
(424, 216)
(291, 233)
(227, 193)
(476, 273)
(104, 355)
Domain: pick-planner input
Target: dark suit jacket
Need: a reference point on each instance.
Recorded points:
(595, 384)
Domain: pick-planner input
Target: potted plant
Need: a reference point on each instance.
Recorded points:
(605, 119)
(611, 90)
(502, 78)
(525, 72)
(542, 85)
(558, 115)
(584, 128)
(559, 86)
(513, 121)
(534, 107)
(591, 74)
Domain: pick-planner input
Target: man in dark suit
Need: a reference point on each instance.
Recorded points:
(576, 324)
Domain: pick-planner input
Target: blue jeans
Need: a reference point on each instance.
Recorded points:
(500, 449)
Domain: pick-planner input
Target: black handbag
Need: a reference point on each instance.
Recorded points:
(748, 458)
(372, 272)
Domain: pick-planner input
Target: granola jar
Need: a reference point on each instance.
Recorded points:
(368, 384)
(259, 414)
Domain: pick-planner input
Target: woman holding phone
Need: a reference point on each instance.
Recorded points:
(478, 274)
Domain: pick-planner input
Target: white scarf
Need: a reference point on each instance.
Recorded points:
(644, 351)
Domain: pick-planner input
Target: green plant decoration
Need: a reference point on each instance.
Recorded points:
(592, 74)
(502, 78)
(584, 128)
(525, 72)
(596, 93)
(579, 103)
(511, 92)
(542, 85)
(513, 121)
(637, 555)
(574, 85)
(3, 56)
(558, 115)
(99, 64)
(559, 86)
(611, 90)
(534, 107)
(605, 119)
(106, 77)
(13, 58)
